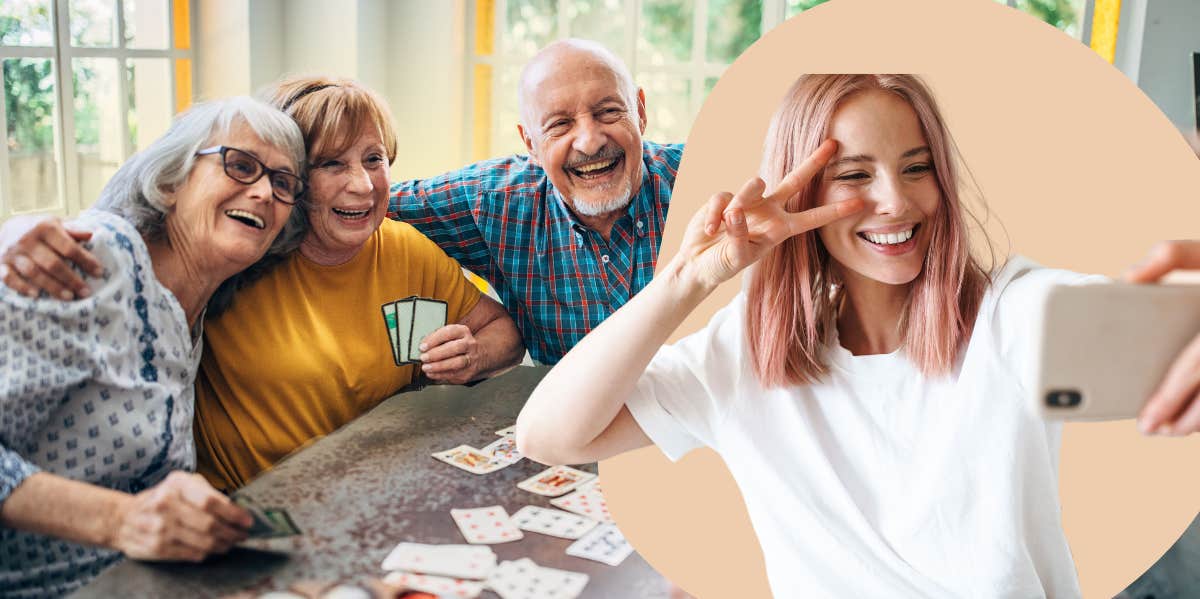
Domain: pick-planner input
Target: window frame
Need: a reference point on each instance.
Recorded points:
(63, 54)
(696, 70)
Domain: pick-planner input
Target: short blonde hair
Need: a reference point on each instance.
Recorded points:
(331, 112)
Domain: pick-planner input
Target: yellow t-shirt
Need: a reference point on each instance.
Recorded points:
(304, 350)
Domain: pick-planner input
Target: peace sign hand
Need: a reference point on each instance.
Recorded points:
(734, 231)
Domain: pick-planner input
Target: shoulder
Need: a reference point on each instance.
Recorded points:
(662, 158)
(1023, 284)
(497, 174)
(115, 242)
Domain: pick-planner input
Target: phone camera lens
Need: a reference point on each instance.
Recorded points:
(1068, 398)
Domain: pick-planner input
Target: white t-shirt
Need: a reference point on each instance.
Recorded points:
(880, 482)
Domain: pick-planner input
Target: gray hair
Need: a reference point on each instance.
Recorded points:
(140, 190)
(625, 85)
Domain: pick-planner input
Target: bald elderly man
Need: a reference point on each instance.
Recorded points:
(568, 233)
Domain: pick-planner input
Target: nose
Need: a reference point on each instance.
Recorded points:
(261, 190)
(360, 181)
(889, 196)
(591, 137)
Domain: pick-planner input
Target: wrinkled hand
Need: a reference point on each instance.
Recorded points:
(451, 354)
(734, 231)
(1173, 408)
(181, 518)
(38, 254)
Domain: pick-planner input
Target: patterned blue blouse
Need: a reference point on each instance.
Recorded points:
(97, 390)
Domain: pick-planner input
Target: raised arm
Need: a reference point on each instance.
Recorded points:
(1174, 407)
(577, 413)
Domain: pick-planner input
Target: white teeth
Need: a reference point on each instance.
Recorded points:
(351, 213)
(889, 238)
(596, 166)
(242, 214)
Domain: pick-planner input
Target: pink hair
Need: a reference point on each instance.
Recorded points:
(794, 298)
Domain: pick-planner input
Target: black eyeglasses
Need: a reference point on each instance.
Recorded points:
(243, 167)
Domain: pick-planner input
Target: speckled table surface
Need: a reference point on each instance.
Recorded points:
(358, 492)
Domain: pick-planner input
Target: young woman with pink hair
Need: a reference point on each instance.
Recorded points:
(866, 389)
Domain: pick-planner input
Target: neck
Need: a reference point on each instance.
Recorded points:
(326, 256)
(190, 280)
(869, 322)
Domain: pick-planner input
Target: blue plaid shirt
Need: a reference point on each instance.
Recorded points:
(503, 220)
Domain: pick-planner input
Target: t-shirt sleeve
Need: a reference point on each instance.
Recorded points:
(444, 278)
(47, 347)
(681, 398)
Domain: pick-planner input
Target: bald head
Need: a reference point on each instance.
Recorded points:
(571, 56)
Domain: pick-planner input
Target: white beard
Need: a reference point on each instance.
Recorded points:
(615, 203)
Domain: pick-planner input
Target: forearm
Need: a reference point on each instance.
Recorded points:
(584, 393)
(501, 346)
(48, 504)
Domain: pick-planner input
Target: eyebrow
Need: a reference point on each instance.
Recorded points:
(868, 158)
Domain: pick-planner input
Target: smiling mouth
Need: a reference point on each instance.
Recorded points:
(351, 214)
(246, 218)
(886, 239)
(595, 169)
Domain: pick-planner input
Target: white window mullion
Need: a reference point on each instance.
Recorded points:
(564, 20)
(467, 139)
(64, 139)
(123, 65)
(772, 15)
(633, 15)
(699, 57)
(5, 178)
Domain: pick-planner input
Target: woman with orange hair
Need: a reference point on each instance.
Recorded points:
(865, 389)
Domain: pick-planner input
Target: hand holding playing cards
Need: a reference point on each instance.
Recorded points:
(451, 354)
(733, 231)
(181, 518)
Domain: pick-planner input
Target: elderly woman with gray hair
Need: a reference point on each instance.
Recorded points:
(96, 394)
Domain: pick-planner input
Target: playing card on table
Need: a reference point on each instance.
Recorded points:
(503, 449)
(485, 525)
(455, 561)
(507, 431)
(555, 523)
(587, 500)
(428, 316)
(524, 579)
(470, 459)
(604, 544)
(555, 481)
(438, 585)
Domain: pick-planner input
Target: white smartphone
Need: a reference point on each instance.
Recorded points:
(1105, 348)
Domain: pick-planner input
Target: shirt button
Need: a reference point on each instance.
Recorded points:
(604, 258)
(640, 224)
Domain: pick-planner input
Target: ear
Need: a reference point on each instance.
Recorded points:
(528, 144)
(641, 108)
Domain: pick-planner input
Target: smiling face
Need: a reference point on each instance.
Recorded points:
(222, 219)
(348, 198)
(883, 158)
(581, 128)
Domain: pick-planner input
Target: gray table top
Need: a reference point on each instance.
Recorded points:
(359, 491)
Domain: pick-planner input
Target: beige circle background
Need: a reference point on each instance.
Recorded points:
(1080, 168)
